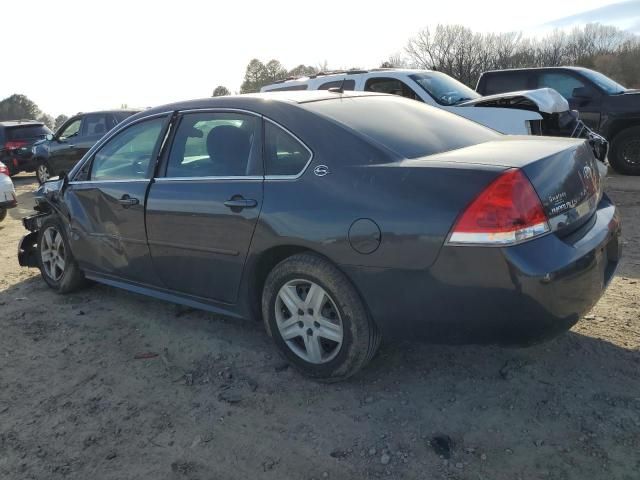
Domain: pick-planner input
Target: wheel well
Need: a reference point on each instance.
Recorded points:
(267, 261)
(620, 126)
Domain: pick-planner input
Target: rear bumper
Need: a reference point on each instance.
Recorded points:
(516, 295)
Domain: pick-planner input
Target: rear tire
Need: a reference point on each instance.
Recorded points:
(3, 214)
(625, 152)
(57, 266)
(43, 172)
(317, 318)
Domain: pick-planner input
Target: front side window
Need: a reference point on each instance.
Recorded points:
(284, 154)
(444, 89)
(215, 144)
(392, 86)
(127, 155)
(604, 82)
(560, 82)
(70, 130)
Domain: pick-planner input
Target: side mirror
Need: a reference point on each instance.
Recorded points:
(582, 92)
(49, 137)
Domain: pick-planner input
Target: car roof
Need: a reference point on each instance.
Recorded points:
(536, 68)
(258, 101)
(117, 110)
(18, 123)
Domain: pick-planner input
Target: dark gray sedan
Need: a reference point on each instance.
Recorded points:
(339, 219)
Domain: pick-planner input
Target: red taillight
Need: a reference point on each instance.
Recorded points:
(14, 144)
(507, 211)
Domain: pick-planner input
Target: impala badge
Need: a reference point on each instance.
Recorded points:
(321, 170)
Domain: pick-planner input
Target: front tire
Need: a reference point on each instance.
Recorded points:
(625, 152)
(317, 319)
(43, 172)
(57, 266)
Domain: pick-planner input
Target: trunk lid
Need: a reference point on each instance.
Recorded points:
(564, 173)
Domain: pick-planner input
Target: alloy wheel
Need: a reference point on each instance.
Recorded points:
(52, 253)
(43, 173)
(309, 321)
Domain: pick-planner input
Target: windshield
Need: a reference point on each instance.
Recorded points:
(444, 89)
(604, 82)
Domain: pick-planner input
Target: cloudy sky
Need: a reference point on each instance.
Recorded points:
(71, 56)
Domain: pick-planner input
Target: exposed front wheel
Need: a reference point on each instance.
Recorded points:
(625, 152)
(317, 318)
(55, 260)
(43, 172)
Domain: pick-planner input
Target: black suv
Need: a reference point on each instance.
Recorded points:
(16, 139)
(59, 152)
(604, 105)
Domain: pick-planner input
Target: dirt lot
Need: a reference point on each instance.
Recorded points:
(76, 401)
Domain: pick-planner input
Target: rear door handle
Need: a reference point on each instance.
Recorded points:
(240, 203)
(127, 201)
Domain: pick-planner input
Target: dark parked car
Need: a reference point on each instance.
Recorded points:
(604, 105)
(58, 153)
(339, 219)
(16, 139)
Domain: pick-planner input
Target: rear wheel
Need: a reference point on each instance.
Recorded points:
(43, 172)
(317, 318)
(3, 214)
(625, 152)
(55, 260)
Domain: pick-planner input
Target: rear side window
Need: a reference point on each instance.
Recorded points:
(409, 129)
(27, 132)
(288, 88)
(346, 85)
(505, 82)
(216, 144)
(284, 155)
(95, 125)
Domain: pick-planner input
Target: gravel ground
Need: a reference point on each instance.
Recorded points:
(110, 385)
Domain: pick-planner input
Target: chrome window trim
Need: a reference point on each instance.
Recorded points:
(128, 180)
(208, 178)
(304, 169)
(117, 129)
(220, 109)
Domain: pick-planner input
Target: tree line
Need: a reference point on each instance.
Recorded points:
(464, 54)
(453, 49)
(19, 107)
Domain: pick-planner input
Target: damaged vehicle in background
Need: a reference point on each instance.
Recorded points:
(532, 112)
(339, 218)
(7, 192)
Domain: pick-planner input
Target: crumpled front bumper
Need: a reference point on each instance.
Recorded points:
(27, 248)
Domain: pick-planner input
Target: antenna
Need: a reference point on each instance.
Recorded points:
(339, 89)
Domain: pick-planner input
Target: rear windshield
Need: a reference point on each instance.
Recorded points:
(408, 128)
(27, 132)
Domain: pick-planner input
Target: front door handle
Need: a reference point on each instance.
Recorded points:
(127, 201)
(239, 203)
